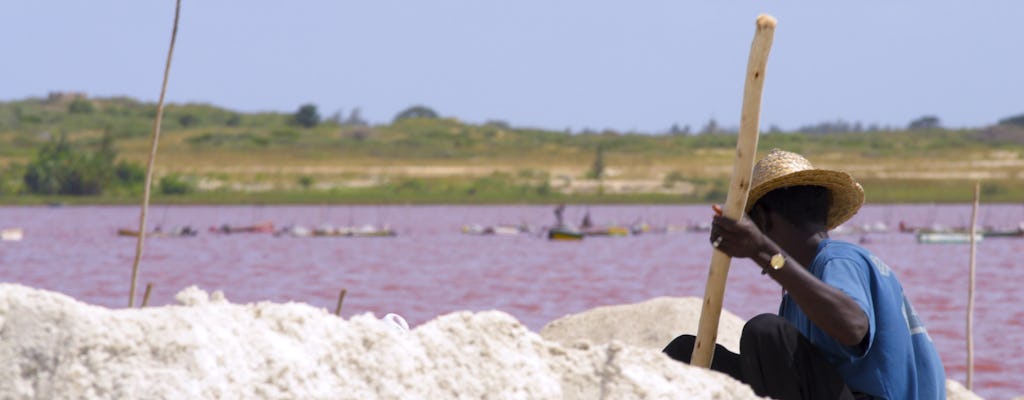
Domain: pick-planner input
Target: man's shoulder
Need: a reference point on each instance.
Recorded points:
(838, 247)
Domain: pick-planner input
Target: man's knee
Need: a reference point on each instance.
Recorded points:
(763, 324)
(761, 329)
(681, 348)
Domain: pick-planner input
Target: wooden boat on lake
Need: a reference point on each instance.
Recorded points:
(178, 231)
(1003, 233)
(607, 231)
(947, 237)
(564, 233)
(11, 234)
(262, 227)
(331, 231)
(501, 229)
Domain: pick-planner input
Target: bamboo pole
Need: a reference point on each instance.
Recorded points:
(145, 295)
(970, 289)
(341, 298)
(739, 187)
(152, 159)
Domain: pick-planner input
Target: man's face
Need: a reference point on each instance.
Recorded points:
(758, 215)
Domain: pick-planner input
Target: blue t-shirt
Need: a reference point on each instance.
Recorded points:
(899, 361)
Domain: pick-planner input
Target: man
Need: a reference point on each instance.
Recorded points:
(844, 329)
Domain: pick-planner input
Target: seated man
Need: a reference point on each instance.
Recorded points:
(844, 328)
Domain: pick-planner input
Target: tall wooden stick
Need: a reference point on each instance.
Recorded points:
(970, 290)
(341, 298)
(152, 158)
(739, 187)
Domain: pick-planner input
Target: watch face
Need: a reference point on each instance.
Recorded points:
(778, 261)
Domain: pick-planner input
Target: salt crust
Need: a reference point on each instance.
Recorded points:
(55, 347)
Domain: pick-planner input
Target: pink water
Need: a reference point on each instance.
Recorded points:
(430, 268)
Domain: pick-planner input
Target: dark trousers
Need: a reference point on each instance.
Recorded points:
(775, 360)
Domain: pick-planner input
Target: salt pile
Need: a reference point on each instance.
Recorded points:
(651, 324)
(654, 323)
(56, 347)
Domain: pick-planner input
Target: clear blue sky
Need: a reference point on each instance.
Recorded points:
(625, 65)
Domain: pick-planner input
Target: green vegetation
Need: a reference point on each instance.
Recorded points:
(59, 168)
(94, 148)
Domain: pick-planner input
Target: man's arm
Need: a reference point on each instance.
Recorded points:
(829, 308)
(836, 313)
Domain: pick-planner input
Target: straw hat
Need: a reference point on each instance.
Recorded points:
(780, 169)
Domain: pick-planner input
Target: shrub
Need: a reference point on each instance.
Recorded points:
(81, 106)
(175, 184)
(60, 169)
(307, 116)
(416, 112)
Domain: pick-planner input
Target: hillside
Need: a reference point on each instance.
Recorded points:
(222, 156)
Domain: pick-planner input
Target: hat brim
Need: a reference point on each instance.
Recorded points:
(847, 194)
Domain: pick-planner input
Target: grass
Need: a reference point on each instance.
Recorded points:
(427, 161)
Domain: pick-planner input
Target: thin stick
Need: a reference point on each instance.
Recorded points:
(145, 296)
(341, 298)
(739, 187)
(152, 159)
(970, 290)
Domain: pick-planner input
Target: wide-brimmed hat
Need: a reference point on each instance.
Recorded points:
(780, 169)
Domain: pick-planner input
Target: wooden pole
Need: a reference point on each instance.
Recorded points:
(145, 296)
(152, 159)
(341, 298)
(739, 187)
(970, 290)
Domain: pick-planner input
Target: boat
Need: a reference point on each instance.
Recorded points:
(178, 231)
(1004, 233)
(947, 237)
(502, 229)
(371, 231)
(11, 234)
(262, 227)
(564, 233)
(294, 231)
(331, 231)
(607, 231)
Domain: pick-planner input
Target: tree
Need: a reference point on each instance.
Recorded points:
(416, 112)
(355, 118)
(60, 169)
(711, 127)
(597, 168)
(1014, 120)
(307, 116)
(81, 106)
(925, 122)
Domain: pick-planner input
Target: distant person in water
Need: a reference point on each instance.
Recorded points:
(586, 223)
(845, 329)
(559, 209)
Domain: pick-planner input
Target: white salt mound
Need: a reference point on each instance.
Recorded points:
(651, 324)
(654, 323)
(55, 347)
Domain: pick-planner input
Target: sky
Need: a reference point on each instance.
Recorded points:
(638, 66)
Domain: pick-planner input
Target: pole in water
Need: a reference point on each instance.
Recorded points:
(970, 290)
(152, 159)
(341, 298)
(145, 296)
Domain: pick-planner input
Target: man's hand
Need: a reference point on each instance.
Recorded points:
(738, 239)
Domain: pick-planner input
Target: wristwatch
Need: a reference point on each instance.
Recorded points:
(777, 261)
